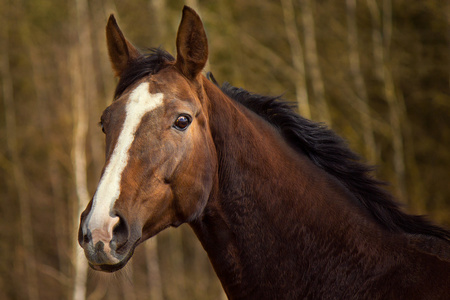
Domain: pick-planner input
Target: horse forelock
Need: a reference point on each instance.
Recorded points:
(147, 64)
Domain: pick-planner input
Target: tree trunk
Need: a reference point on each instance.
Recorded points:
(362, 102)
(20, 180)
(297, 58)
(43, 97)
(154, 273)
(158, 10)
(382, 27)
(175, 280)
(79, 167)
(312, 61)
(77, 63)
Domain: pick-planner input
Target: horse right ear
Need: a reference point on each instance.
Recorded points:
(192, 44)
(121, 52)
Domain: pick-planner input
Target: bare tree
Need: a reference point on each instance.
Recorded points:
(79, 166)
(20, 180)
(43, 98)
(78, 68)
(153, 269)
(159, 12)
(382, 27)
(362, 102)
(297, 58)
(312, 61)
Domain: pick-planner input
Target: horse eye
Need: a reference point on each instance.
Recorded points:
(182, 122)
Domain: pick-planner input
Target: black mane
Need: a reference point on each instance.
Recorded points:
(148, 64)
(331, 153)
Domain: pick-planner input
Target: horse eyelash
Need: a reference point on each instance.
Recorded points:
(100, 124)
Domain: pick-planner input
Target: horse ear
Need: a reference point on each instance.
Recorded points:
(121, 52)
(192, 44)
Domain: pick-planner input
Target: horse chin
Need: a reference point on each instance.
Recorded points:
(115, 267)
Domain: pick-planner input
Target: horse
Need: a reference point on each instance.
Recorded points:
(282, 206)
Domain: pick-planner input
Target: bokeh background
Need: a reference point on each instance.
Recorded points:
(376, 71)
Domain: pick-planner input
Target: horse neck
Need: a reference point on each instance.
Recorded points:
(265, 195)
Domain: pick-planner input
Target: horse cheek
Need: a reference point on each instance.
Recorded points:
(204, 165)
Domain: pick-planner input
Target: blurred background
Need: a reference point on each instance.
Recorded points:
(376, 71)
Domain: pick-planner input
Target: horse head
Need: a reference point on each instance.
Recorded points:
(160, 157)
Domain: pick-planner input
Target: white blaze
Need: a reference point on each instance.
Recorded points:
(99, 220)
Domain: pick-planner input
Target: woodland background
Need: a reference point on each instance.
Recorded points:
(376, 71)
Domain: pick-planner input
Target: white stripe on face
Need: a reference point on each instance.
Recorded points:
(99, 221)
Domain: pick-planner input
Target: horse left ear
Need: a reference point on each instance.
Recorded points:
(121, 51)
(192, 44)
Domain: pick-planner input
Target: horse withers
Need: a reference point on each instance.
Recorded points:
(280, 204)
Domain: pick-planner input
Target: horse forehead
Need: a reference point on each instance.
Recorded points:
(134, 104)
(143, 96)
(141, 100)
(172, 84)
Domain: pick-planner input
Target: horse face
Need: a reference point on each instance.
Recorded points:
(160, 157)
(160, 165)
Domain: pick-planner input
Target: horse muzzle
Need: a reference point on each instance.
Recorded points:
(108, 246)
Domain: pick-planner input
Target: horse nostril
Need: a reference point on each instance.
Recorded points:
(120, 234)
(87, 237)
(84, 238)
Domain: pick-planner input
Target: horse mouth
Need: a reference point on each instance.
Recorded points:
(110, 268)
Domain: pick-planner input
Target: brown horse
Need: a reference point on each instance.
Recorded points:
(283, 208)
